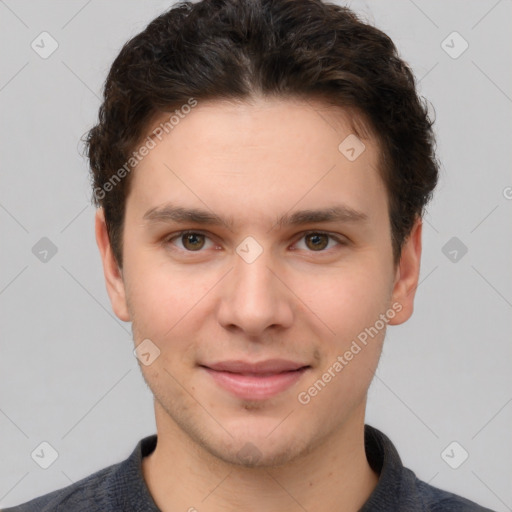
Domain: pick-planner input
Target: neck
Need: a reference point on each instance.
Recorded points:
(333, 476)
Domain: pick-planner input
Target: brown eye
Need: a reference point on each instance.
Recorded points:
(189, 241)
(317, 241)
(320, 241)
(192, 241)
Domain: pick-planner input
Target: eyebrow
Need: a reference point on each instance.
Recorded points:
(172, 213)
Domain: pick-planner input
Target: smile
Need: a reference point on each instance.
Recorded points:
(255, 386)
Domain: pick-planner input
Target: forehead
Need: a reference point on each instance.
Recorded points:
(258, 155)
(258, 112)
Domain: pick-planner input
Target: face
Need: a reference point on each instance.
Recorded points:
(269, 313)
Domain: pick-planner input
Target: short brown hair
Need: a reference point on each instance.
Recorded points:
(235, 49)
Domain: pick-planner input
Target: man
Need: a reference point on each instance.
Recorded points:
(261, 169)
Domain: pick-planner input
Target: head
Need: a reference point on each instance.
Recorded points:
(260, 114)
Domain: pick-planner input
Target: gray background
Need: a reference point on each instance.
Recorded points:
(67, 372)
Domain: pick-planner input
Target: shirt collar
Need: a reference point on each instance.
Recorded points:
(380, 452)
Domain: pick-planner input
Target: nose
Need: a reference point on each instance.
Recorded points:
(254, 298)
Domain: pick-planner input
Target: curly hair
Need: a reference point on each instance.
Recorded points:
(236, 49)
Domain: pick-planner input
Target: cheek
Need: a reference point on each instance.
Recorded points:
(157, 290)
(349, 298)
(350, 304)
(169, 305)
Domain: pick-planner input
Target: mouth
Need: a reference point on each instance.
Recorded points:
(256, 381)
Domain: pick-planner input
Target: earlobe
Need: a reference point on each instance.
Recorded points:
(113, 275)
(407, 275)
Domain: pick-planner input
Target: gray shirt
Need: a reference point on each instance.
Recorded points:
(121, 487)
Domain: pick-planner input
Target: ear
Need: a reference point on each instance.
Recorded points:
(113, 275)
(407, 275)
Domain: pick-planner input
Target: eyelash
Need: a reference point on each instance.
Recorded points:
(340, 241)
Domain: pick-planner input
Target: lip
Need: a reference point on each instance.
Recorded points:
(269, 366)
(256, 381)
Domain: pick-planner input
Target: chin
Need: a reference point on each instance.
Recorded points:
(258, 455)
(259, 444)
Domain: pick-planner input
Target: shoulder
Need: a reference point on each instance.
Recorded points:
(399, 489)
(434, 499)
(120, 486)
(90, 494)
